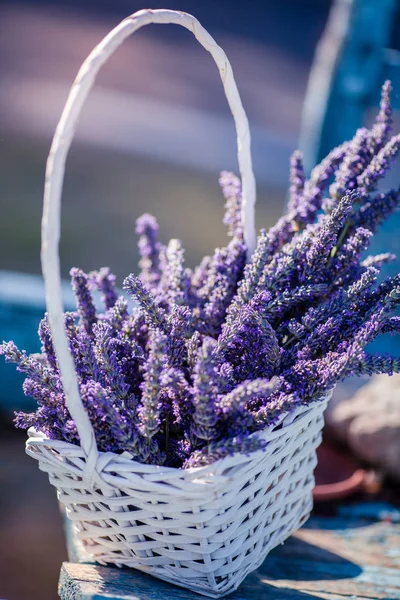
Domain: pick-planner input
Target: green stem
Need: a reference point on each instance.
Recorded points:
(339, 241)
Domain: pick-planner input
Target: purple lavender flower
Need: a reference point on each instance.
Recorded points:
(221, 449)
(367, 181)
(373, 212)
(47, 343)
(232, 191)
(207, 358)
(326, 240)
(356, 160)
(249, 344)
(85, 306)
(149, 248)
(381, 130)
(378, 260)
(205, 390)
(153, 314)
(174, 278)
(224, 276)
(149, 409)
(106, 357)
(371, 364)
(30, 366)
(297, 181)
(104, 280)
(234, 406)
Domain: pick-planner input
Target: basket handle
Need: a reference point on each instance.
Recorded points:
(55, 174)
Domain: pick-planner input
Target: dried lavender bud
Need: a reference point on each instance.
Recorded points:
(375, 364)
(85, 360)
(234, 404)
(217, 450)
(106, 356)
(249, 284)
(200, 277)
(110, 427)
(205, 390)
(312, 200)
(149, 249)
(180, 325)
(249, 344)
(224, 275)
(193, 345)
(327, 240)
(117, 315)
(149, 410)
(373, 212)
(153, 314)
(349, 255)
(378, 260)
(368, 180)
(392, 325)
(232, 191)
(174, 383)
(30, 366)
(104, 280)
(174, 281)
(47, 343)
(381, 130)
(84, 301)
(297, 181)
(356, 160)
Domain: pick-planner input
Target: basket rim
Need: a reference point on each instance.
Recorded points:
(294, 420)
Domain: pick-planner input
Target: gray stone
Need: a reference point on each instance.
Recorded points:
(369, 422)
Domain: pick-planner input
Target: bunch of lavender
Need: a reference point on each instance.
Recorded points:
(208, 356)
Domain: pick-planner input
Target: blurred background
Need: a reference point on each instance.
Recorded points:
(153, 137)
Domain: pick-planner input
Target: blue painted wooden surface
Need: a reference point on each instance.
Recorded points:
(351, 63)
(22, 305)
(354, 554)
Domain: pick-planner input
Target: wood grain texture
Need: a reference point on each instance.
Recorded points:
(355, 554)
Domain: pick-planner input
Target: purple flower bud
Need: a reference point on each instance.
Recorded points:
(149, 248)
(84, 301)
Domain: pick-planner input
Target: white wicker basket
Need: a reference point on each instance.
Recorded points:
(205, 528)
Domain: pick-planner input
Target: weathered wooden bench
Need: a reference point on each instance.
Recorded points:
(354, 554)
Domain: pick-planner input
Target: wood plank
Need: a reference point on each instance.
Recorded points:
(332, 558)
(91, 582)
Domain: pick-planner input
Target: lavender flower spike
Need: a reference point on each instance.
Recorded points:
(47, 343)
(85, 306)
(297, 181)
(207, 359)
(367, 182)
(205, 392)
(149, 248)
(149, 411)
(222, 448)
(105, 282)
(383, 126)
(232, 191)
(235, 405)
(154, 315)
(173, 281)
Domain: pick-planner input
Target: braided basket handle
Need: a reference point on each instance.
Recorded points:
(55, 175)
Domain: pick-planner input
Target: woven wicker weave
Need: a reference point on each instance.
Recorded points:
(203, 529)
(206, 528)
